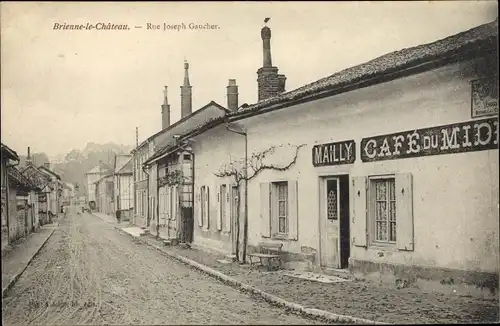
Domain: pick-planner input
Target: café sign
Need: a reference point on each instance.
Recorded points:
(476, 135)
(343, 152)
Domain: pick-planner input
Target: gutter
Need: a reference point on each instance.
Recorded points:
(245, 222)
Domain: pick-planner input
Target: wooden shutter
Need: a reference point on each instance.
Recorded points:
(265, 209)
(197, 206)
(175, 202)
(219, 197)
(207, 208)
(359, 216)
(293, 220)
(230, 202)
(404, 211)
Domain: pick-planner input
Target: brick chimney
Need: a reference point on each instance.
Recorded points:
(186, 93)
(232, 95)
(270, 83)
(165, 111)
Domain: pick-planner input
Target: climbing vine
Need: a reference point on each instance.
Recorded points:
(172, 178)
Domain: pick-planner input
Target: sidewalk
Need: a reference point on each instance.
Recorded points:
(356, 298)
(16, 258)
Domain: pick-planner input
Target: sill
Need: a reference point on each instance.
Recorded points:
(388, 246)
(280, 236)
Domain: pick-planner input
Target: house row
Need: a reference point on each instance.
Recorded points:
(30, 196)
(112, 188)
(388, 169)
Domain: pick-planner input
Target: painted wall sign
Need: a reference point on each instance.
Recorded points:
(484, 100)
(469, 136)
(343, 152)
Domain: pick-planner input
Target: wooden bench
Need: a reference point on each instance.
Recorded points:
(269, 251)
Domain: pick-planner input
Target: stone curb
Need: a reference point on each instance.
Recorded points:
(310, 312)
(14, 279)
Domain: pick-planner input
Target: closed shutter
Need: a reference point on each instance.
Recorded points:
(359, 216)
(265, 209)
(404, 211)
(175, 203)
(207, 208)
(197, 206)
(219, 197)
(293, 221)
(231, 205)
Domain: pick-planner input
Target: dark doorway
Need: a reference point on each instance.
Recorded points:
(345, 247)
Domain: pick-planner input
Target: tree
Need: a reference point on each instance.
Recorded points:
(244, 171)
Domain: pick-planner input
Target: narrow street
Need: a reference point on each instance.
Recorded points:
(88, 273)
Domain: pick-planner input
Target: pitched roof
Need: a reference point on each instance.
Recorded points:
(461, 46)
(127, 168)
(37, 177)
(100, 168)
(20, 179)
(43, 168)
(121, 161)
(164, 147)
(181, 121)
(9, 153)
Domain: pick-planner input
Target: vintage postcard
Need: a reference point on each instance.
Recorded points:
(237, 163)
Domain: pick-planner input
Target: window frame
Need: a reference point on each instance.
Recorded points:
(275, 217)
(372, 227)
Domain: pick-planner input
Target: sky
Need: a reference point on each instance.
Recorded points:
(61, 89)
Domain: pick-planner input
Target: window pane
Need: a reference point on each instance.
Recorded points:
(380, 190)
(282, 225)
(382, 231)
(282, 208)
(392, 189)
(282, 191)
(392, 211)
(332, 205)
(392, 232)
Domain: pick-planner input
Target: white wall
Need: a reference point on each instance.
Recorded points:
(213, 149)
(455, 195)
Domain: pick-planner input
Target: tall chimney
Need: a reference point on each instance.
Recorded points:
(186, 94)
(28, 158)
(165, 111)
(232, 95)
(269, 83)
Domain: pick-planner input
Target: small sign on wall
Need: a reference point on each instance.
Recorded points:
(484, 100)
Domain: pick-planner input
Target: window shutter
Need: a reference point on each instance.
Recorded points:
(168, 205)
(404, 211)
(229, 202)
(265, 209)
(197, 206)
(293, 221)
(207, 207)
(358, 225)
(219, 197)
(175, 203)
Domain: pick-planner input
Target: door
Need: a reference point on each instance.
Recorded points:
(330, 227)
(234, 217)
(334, 227)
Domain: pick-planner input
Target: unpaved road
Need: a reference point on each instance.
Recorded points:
(88, 273)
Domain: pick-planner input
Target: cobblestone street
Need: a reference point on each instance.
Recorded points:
(87, 273)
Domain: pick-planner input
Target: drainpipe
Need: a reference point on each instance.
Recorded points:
(192, 183)
(245, 222)
(7, 194)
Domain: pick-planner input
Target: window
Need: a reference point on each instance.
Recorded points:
(279, 206)
(204, 205)
(383, 209)
(187, 157)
